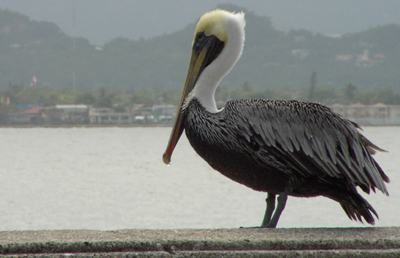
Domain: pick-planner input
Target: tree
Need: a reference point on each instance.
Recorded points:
(349, 92)
(105, 99)
(85, 98)
(12, 92)
(30, 95)
(171, 96)
(145, 97)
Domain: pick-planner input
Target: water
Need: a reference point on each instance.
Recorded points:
(114, 178)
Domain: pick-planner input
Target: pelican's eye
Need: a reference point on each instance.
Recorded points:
(200, 36)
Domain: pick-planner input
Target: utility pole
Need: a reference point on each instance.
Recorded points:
(312, 87)
(74, 47)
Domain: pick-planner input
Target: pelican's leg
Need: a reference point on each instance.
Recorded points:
(269, 209)
(281, 205)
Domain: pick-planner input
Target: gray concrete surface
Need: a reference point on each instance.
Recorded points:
(247, 242)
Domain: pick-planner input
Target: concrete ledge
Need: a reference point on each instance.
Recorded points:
(249, 242)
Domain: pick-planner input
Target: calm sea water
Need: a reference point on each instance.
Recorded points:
(114, 178)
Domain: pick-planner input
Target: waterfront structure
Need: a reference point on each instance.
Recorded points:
(73, 113)
(376, 114)
(108, 116)
(162, 114)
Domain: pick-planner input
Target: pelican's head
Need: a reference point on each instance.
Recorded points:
(217, 45)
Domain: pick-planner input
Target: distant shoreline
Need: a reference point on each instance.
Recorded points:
(118, 125)
(85, 125)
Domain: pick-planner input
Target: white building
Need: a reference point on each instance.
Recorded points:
(377, 114)
(108, 116)
(73, 112)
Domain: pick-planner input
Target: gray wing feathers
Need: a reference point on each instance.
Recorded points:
(312, 134)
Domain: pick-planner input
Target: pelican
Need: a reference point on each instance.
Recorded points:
(283, 148)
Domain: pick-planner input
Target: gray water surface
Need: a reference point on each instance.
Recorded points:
(114, 178)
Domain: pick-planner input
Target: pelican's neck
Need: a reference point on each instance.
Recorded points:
(205, 89)
(212, 75)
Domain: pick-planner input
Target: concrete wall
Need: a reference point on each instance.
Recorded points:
(247, 242)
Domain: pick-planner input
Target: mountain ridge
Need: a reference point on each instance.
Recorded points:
(102, 20)
(272, 59)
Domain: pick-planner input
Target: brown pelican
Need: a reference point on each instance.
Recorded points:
(279, 147)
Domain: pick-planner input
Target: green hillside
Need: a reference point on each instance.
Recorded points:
(274, 63)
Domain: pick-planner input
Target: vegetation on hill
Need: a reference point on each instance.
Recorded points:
(275, 64)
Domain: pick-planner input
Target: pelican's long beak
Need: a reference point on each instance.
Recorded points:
(195, 68)
(205, 50)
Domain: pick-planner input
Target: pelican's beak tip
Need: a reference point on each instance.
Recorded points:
(166, 159)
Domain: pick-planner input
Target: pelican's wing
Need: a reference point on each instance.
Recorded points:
(311, 139)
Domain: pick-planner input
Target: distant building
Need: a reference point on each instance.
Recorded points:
(26, 114)
(300, 53)
(81, 108)
(377, 114)
(19, 118)
(73, 113)
(108, 116)
(365, 59)
(156, 114)
(164, 113)
(344, 58)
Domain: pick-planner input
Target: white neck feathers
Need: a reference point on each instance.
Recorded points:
(212, 75)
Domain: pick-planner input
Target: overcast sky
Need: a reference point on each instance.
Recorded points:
(103, 20)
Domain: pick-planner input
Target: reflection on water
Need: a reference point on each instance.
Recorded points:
(113, 178)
